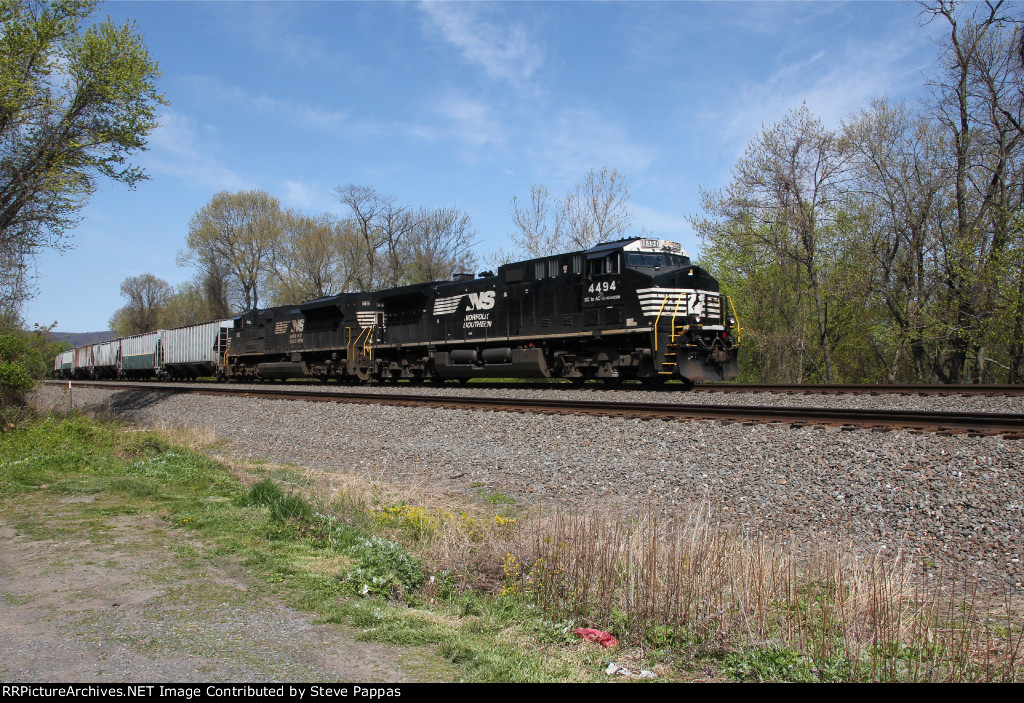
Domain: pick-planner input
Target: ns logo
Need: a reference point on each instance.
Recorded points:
(481, 301)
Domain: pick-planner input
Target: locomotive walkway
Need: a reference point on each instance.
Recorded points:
(1009, 425)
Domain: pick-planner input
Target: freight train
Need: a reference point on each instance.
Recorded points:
(631, 309)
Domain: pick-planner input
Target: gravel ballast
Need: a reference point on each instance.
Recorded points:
(954, 503)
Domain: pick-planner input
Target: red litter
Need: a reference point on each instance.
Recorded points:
(599, 636)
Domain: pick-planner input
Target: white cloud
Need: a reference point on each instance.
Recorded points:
(471, 121)
(269, 27)
(833, 83)
(295, 113)
(176, 148)
(502, 48)
(578, 139)
(300, 195)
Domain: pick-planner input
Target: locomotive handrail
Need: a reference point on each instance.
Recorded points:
(739, 327)
(368, 343)
(359, 336)
(675, 311)
(658, 319)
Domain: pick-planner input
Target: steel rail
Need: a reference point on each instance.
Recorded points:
(730, 387)
(866, 388)
(1010, 425)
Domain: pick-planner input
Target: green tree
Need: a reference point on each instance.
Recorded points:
(899, 186)
(234, 241)
(75, 105)
(147, 297)
(187, 306)
(312, 261)
(24, 357)
(783, 208)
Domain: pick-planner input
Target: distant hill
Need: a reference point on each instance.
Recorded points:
(77, 339)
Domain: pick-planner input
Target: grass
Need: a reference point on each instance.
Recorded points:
(499, 595)
(343, 570)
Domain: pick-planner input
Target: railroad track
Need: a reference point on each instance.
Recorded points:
(864, 388)
(730, 387)
(1009, 425)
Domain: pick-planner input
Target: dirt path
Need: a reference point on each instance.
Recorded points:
(125, 599)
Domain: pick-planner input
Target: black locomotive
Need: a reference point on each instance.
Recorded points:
(631, 309)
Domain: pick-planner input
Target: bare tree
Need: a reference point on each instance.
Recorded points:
(541, 224)
(598, 209)
(594, 211)
(439, 244)
(977, 102)
(380, 223)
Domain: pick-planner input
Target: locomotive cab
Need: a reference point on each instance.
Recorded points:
(694, 336)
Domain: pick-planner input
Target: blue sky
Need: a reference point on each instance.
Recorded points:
(465, 104)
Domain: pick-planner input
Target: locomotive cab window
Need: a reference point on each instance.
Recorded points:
(639, 260)
(604, 265)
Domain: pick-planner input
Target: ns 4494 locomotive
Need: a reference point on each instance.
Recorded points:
(630, 309)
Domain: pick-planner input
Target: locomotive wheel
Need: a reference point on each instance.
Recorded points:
(611, 382)
(653, 382)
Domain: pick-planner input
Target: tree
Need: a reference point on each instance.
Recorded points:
(233, 240)
(541, 224)
(785, 206)
(385, 243)
(898, 184)
(380, 223)
(24, 357)
(187, 306)
(438, 244)
(594, 211)
(75, 106)
(311, 261)
(147, 297)
(978, 104)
